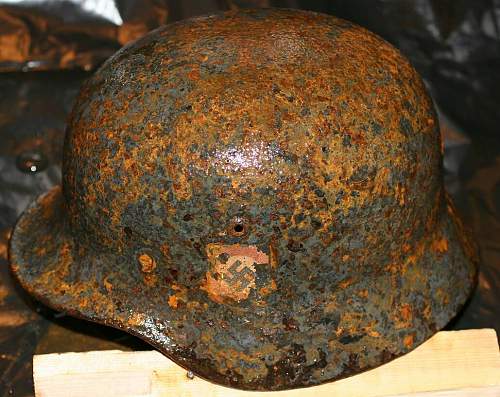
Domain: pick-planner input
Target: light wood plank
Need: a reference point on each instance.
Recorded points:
(450, 364)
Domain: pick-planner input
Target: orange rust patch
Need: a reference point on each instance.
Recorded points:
(194, 74)
(182, 189)
(346, 283)
(266, 290)
(441, 295)
(232, 358)
(400, 194)
(84, 302)
(147, 263)
(392, 268)
(193, 305)
(165, 249)
(180, 297)
(408, 341)
(173, 302)
(65, 259)
(331, 306)
(150, 279)
(412, 260)
(136, 319)
(273, 257)
(232, 271)
(440, 245)
(405, 317)
(40, 251)
(107, 285)
(374, 334)
(406, 312)
(339, 331)
(427, 312)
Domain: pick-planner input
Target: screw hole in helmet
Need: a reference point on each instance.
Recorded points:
(238, 228)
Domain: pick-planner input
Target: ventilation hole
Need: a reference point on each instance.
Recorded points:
(237, 227)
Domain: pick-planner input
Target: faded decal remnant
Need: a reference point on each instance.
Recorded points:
(232, 271)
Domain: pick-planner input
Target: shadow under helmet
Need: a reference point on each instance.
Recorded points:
(257, 194)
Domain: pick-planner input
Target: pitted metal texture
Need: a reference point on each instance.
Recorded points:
(258, 194)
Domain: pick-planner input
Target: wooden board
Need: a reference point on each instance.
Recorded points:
(450, 364)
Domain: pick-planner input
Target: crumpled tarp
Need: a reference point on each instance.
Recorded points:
(455, 45)
(52, 35)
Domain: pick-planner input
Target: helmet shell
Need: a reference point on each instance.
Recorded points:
(259, 195)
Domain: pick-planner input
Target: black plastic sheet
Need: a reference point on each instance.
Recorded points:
(51, 35)
(454, 45)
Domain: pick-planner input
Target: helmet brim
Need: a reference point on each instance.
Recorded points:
(354, 331)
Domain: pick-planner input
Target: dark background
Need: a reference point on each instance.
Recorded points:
(47, 50)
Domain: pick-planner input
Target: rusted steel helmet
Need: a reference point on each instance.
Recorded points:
(258, 195)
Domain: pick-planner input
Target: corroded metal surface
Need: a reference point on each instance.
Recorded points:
(258, 195)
